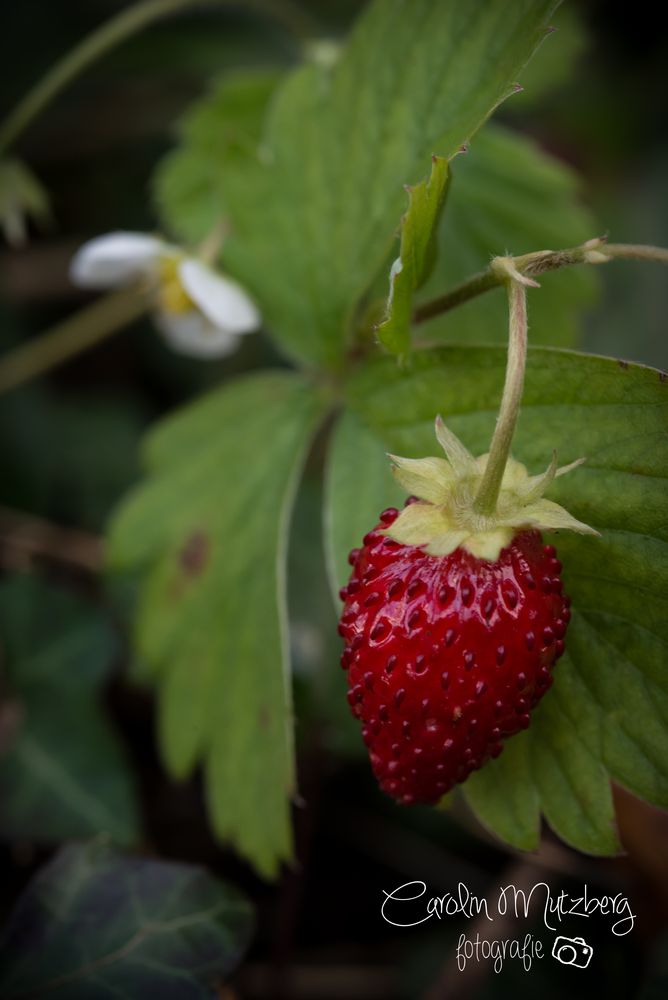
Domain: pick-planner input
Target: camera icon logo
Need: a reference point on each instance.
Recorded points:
(572, 951)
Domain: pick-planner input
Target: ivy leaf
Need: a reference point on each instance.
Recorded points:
(508, 196)
(208, 531)
(417, 255)
(95, 923)
(63, 773)
(219, 131)
(314, 221)
(607, 714)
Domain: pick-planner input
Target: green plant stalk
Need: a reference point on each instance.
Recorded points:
(82, 331)
(111, 34)
(595, 251)
(499, 450)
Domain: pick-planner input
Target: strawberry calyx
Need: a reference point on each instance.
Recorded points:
(444, 517)
(480, 504)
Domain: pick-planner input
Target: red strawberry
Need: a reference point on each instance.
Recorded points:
(447, 655)
(454, 617)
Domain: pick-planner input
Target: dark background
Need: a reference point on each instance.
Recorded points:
(68, 450)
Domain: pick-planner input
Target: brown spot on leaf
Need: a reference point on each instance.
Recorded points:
(264, 718)
(194, 555)
(623, 364)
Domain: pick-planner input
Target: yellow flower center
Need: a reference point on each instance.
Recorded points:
(172, 296)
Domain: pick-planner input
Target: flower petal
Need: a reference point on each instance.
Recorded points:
(194, 334)
(221, 300)
(115, 259)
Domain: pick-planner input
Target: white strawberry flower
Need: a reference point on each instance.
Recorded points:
(199, 311)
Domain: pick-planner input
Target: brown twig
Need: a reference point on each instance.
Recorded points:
(25, 538)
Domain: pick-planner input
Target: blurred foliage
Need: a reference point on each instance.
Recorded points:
(63, 773)
(95, 923)
(213, 552)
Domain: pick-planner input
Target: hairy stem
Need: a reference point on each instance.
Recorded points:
(110, 34)
(78, 333)
(488, 491)
(595, 251)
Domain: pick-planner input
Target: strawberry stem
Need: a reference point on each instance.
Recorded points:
(490, 485)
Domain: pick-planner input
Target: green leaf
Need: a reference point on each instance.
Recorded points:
(64, 772)
(208, 530)
(22, 198)
(358, 486)
(508, 196)
(417, 255)
(559, 62)
(220, 131)
(314, 221)
(94, 923)
(607, 715)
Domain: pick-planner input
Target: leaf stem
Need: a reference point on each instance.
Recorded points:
(78, 333)
(490, 484)
(595, 251)
(110, 34)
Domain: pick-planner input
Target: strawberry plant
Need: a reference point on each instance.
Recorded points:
(315, 258)
(504, 630)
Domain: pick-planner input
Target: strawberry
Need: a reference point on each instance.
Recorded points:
(453, 620)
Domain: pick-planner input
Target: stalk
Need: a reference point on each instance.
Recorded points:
(78, 333)
(488, 492)
(125, 24)
(595, 251)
